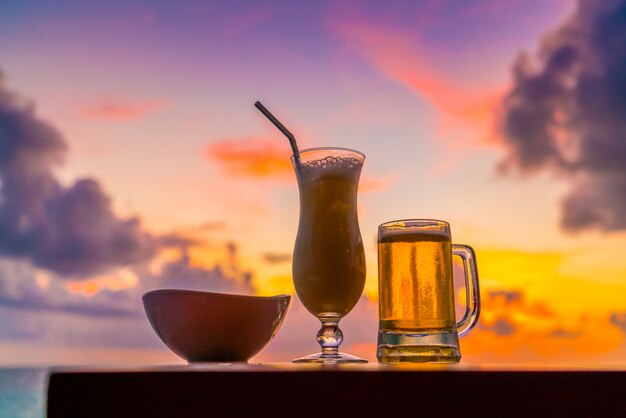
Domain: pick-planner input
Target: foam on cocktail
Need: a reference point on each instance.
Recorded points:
(346, 169)
(331, 163)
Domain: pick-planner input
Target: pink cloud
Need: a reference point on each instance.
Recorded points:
(370, 184)
(262, 158)
(466, 115)
(252, 157)
(112, 110)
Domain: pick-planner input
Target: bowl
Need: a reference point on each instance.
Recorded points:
(214, 327)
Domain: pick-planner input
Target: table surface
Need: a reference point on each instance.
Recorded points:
(286, 389)
(357, 367)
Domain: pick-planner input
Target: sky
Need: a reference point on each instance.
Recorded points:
(132, 159)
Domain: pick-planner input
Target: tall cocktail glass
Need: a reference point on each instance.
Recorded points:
(328, 258)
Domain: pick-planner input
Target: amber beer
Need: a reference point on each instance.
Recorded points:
(328, 258)
(416, 291)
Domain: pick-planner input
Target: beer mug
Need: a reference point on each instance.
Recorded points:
(416, 292)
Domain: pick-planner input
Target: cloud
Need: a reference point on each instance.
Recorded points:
(462, 112)
(506, 297)
(64, 250)
(276, 258)
(117, 293)
(563, 333)
(252, 157)
(24, 287)
(506, 311)
(211, 226)
(619, 320)
(260, 158)
(568, 114)
(43, 309)
(227, 275)
(182, 274)
(69, 230)
(501, 326)
(513, 328)
(177, 240)
(192, 236)
(56, 329)
(120, 111)
(370, 184)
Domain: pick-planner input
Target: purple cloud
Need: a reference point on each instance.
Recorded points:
(69, 230)
(501, 326)
(51, 314)
(73, 233)
(21, 289)
(271, 257)
(225, 278)
(619, 320)
(569, 115)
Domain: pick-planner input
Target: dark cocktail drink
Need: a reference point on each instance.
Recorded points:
(328, 259)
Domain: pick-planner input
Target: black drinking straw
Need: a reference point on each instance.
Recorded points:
(281, 127)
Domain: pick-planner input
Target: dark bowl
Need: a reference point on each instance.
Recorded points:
(214, 327)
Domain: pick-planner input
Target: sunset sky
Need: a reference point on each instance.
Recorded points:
(132, 158)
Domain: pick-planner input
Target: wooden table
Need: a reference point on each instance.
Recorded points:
(287, 390)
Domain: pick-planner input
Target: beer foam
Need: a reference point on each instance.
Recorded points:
(406, 228)
(331, 162)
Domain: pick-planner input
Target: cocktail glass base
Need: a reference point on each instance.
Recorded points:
(330, 337)
(334, 358)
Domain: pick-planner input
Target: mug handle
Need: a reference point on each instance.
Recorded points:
(472, 291)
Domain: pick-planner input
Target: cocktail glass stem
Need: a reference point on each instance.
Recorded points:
(330, 338)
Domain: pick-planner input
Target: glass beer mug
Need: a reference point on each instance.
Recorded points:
(416, 292)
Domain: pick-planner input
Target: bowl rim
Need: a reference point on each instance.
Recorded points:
(200, 292)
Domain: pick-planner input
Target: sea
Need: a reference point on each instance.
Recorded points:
(23, 393)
